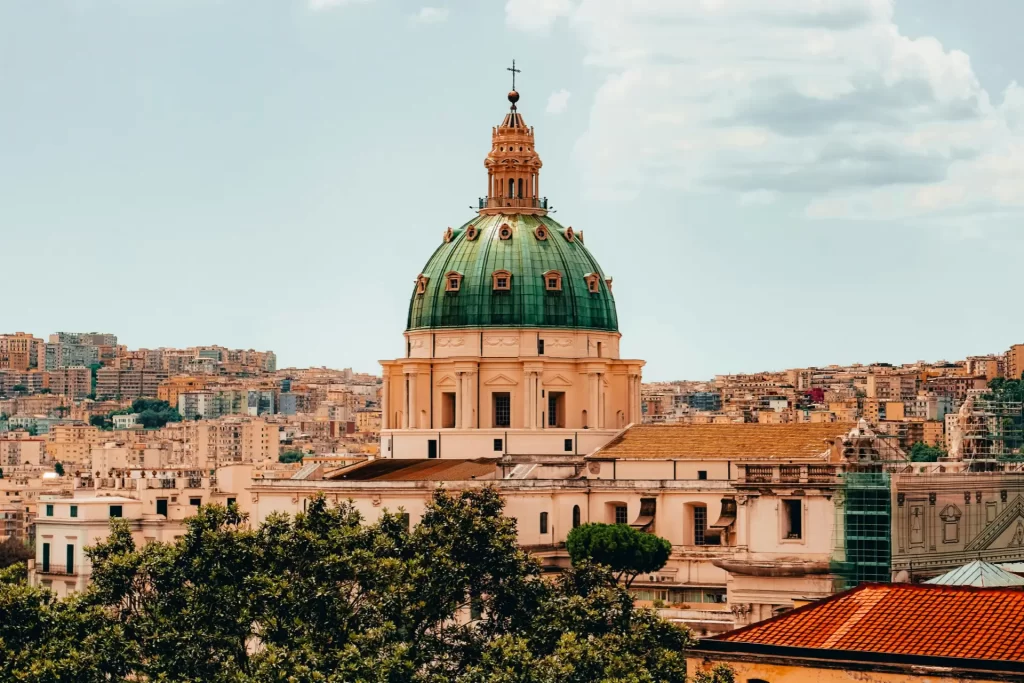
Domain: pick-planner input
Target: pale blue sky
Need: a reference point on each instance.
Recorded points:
(769, 188)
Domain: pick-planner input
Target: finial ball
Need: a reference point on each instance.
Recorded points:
(513, 96)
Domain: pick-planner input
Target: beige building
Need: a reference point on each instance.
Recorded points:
(1014, 362)
(19, 450)
(227, 440)
(72, 443)
(73, 383)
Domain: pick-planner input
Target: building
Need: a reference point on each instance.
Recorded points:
(128, 384)
(233, 440)
(154, 503)
(58, 355)
(1014, 363)
(19, 351)
(172, 387)
(72, 443)
(125, 421)
(512, 341)
(889, 633)
(74, 383)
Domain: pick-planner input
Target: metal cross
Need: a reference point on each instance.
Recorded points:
(514, 71)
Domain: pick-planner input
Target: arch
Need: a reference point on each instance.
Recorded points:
(520, 195)
(583, 420)
(575, 516)
(543, 522)
(511, 188)
(620, 419)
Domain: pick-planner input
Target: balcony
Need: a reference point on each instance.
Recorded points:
(194, 483)
(57, 569)
(512, 202)
(788, 474)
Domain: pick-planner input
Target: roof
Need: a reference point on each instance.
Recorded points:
(526, 257)
(732, 441)
(902, 619)
(980, 574)
(388, 469)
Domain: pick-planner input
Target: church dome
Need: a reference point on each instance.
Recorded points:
(512, 270)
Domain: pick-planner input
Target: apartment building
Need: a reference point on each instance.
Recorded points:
(128, 384)
(892, 386)
(73, 383)
(72, 444)
(172, 387)
(232, 440)
(19, 351)
(1014, 362)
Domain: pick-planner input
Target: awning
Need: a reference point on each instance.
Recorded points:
(645, 520)
(727, 516)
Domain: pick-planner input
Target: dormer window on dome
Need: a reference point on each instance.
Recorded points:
(593, 282)
(541, 233)
(471, 233)
(505, 232)
(449, 234)
(553, 281)
(452, 281)
(608, 282)
(501, 281)
(421, 284)
(569, 234)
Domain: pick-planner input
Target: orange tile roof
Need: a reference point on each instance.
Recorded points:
(755, 441)
(904, 619)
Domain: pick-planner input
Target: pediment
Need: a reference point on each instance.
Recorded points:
(1003, 531)
(446, 381)
(557, 381)
(501, 381)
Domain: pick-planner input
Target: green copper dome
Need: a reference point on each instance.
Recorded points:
(552, 281)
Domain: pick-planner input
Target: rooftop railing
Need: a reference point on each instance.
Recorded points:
(512, 202)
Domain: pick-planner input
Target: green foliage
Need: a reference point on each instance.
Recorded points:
(32, 429)
(291, 456)
(59, 469)
(623, 549)
(101, 421)
(721, 673)
(154, 414)
(922, 452)
(13, 552)
(19, 389)
(323, 597)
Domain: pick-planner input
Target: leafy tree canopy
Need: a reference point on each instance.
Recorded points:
(59, 469)
(291, 456)
(13, 551)
(623, 549)
(323, 597)
(922, 452)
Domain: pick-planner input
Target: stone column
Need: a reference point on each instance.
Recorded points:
(385, 422)
(405, 401)
(600, 401)
(468, 400)
(460, 396)
(414, 419)
(527, 400)
(592, 403)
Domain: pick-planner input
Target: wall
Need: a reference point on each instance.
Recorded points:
(780, 673)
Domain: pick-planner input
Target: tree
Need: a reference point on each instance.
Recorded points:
(721, 673)
(19, 389)
(154, 413)
(101, 421)
(922, 452)
(323, 596)
(59, 469)
(1, 472)
(623, 549)
(32, 428)
(13, 551)
(291, 456)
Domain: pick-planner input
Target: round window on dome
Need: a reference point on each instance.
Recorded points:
(505, 232)
(471, 233)
(541, 233)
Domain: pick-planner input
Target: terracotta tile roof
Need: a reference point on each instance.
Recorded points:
(931, 621)
(670, 442)
(387, 469)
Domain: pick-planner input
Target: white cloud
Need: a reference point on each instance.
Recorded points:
(558, 102)
(327, 4)
(432, 15)
(825, 100)
(536, 16)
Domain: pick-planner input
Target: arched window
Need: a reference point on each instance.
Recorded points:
(575, 516)
(584, 420)
(511, 188)
(520, 188)
(501, 281)
(543, 522)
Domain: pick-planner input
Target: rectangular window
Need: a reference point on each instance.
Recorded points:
(540, 347)
(161, 506)
(568, 445)
(497, 445)
(448, 410)
(621, 515)
(115, 510)
(702, 474)
(49, 511)
(196, 502)
(404, 516)
(556, 409)
(74, 510)
(543, 522)
(793, 521)
(231, 501)
(700, 524)
(502, 409)
(70, 557)
(431, 448)
(46, 558)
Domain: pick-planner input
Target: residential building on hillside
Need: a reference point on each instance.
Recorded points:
(128, 384)
(74, 383)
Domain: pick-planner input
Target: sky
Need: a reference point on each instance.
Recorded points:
(771, 185)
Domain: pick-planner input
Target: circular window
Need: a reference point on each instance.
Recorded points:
(505, 233)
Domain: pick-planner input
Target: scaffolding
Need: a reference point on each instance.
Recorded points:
(989, 431)
(863, 529)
